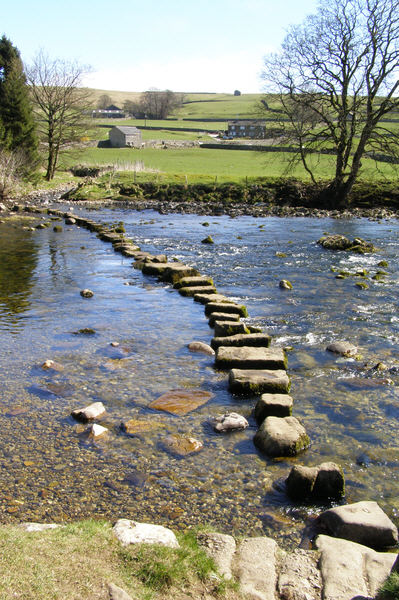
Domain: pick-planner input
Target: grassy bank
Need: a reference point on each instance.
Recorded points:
(78, 561)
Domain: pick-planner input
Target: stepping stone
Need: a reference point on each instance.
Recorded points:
(175, 271)
(249, 357)
(221, 548)
(226, 307)
(220, 316)
(322, 482)
(351, 570)
(191, 291)
(131, 532)
(252, 339)
(248, 382)
(226, 328)
(281, 437)
(200, 281)
(109, 236)
(255, 567)
(205, 298)
(155, 268)
(362, 522)
(273, 405)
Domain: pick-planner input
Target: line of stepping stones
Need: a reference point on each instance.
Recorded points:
(339, 569)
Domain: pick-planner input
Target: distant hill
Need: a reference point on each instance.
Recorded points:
(200, 105)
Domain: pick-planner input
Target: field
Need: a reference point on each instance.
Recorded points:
(190, 123)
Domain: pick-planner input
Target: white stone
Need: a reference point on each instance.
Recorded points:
(89, 413)
(38, 526)
(96, 431)
(229, 422)
(130, 532)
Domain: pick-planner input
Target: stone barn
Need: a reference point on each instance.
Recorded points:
(125, 137)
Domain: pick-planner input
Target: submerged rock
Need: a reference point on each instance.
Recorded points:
(182, 445)
(340, 242)
(181, 402)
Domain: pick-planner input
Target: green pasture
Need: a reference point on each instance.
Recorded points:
(200, 164)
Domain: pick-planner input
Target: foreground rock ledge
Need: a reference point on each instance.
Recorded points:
(247, 382)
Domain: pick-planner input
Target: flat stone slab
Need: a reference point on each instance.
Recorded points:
(206, 298)
(250, 357)
(175, 271)
(362, 522)
(139, 426)
(221, 316)
(199, 281)
(345, 349)
(155, 268)
(221, 548)
(351, 570)
(89, 413)
(226, 328)
(182, 445)
(248, 382)
(255, 567)
(191, 291)
(299, 577)
(273, 405)
(242, 339)
(181, 402)
(281, 437)
(226, 307)
(131, 532)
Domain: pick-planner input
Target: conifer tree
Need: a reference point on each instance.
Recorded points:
(17, 125)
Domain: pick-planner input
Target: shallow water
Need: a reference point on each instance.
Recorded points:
(50, 472)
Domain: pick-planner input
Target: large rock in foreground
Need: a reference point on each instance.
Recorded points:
(281, 437)
(363, 522)
(130, 532)
(350, 570)
(248, 382)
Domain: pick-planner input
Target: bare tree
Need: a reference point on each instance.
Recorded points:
(337, 78)
(59, 102)
(104, 101)
(157, 104)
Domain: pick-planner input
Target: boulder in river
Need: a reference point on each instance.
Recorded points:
(86, 293)
(340, 242)
(281, 437)
(201, 347)
(345, 349)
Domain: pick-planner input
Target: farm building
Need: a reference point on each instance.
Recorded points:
(122, 137)
(111, 112)
(247, 129)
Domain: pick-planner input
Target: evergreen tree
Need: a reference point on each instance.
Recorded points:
(17, 125)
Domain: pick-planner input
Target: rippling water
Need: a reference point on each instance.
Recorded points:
(48, 470)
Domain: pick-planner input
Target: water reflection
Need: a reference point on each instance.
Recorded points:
(18, 261)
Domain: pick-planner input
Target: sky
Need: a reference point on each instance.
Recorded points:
(131, 45)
